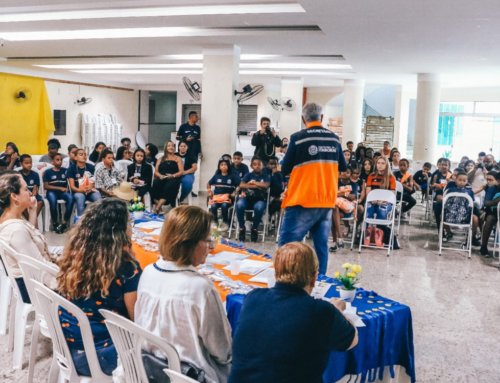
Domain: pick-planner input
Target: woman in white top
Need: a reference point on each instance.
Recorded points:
(182, 306)
(16, 231)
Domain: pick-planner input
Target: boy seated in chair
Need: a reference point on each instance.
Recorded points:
(253, 197)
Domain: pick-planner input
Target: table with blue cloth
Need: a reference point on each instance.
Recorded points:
(385, 342)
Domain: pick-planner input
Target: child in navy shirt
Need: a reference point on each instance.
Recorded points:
(56, 186)
(253, 196)
(32, 179)
(225, 183)
(238, 166)
(489, 218)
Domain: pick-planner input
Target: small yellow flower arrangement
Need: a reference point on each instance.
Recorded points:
(350, 276)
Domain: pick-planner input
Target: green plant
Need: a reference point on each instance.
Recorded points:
(350, 276)
(136, 205)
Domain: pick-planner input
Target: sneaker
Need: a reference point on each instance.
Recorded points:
(62, 228)
(333, 248)
(484, 252)
(242, 234)
(340, 244)
(193, 194)
(254, 235)
(55, 225)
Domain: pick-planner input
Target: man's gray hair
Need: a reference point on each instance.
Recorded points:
(312, 112)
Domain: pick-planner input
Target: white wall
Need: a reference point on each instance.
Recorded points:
(470, 94)
(122, 103)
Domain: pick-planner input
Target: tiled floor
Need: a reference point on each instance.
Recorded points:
(455, 304)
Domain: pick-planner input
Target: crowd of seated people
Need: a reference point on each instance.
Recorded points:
(99, 270)
(381, 169)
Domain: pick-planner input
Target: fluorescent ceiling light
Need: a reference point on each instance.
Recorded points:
(138, 71)
(285, 66)
(122, 66)
(288, 73)
(243, 57)
(121, 33)
(294, 66)
(196, 10)
(194, 71)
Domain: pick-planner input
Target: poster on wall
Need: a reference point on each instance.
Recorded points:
(101, 127)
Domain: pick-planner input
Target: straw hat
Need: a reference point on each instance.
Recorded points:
(124, 191)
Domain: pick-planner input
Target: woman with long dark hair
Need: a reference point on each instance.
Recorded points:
(94, 156)
(98, 271)
(9, 160)
(140, 173)
(15, 230)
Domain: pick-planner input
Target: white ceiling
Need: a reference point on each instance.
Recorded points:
(385, 41)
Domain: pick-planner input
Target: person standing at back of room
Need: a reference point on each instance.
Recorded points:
(190, 133)
(313, 160)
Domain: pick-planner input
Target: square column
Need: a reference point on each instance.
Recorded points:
(219, 110)
(354, 91)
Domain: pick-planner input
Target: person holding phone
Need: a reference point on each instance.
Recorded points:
(265, 140)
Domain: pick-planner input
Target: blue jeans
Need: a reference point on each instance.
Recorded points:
(187, 182)
(378, 211)
(107, 356)
(258, 207)
(52, 197)
(224, 207)
(80, 199)
(298, 220)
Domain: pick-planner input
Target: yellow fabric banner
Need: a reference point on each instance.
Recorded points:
(28, 121)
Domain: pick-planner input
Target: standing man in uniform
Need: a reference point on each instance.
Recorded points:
(190, 133)
(313, 161)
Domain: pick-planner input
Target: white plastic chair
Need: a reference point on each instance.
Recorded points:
(19, 311)
(45, 273)
(466, 226)
(353, 217)
(265, 217)
(389, 197)
(176, 377)
(50, 303)
(5, 297)
(129, 340)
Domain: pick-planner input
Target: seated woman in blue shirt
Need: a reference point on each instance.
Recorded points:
(98, 271)
(225, 184)
(284, 334)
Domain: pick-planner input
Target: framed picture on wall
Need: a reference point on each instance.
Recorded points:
(60, 122)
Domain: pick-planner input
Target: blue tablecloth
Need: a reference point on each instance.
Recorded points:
(386, 341)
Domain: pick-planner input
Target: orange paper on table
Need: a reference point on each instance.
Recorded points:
(146, 258)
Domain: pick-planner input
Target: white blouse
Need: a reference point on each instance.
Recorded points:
(24, 238)
(184, 308)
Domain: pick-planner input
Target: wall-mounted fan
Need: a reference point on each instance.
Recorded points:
(285, 103)
(83, 100)
(193, 88)
(22, 95)
(248, 92)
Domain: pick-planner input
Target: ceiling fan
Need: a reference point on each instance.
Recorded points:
(193, 88)
(286, 103)
(248, 92)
